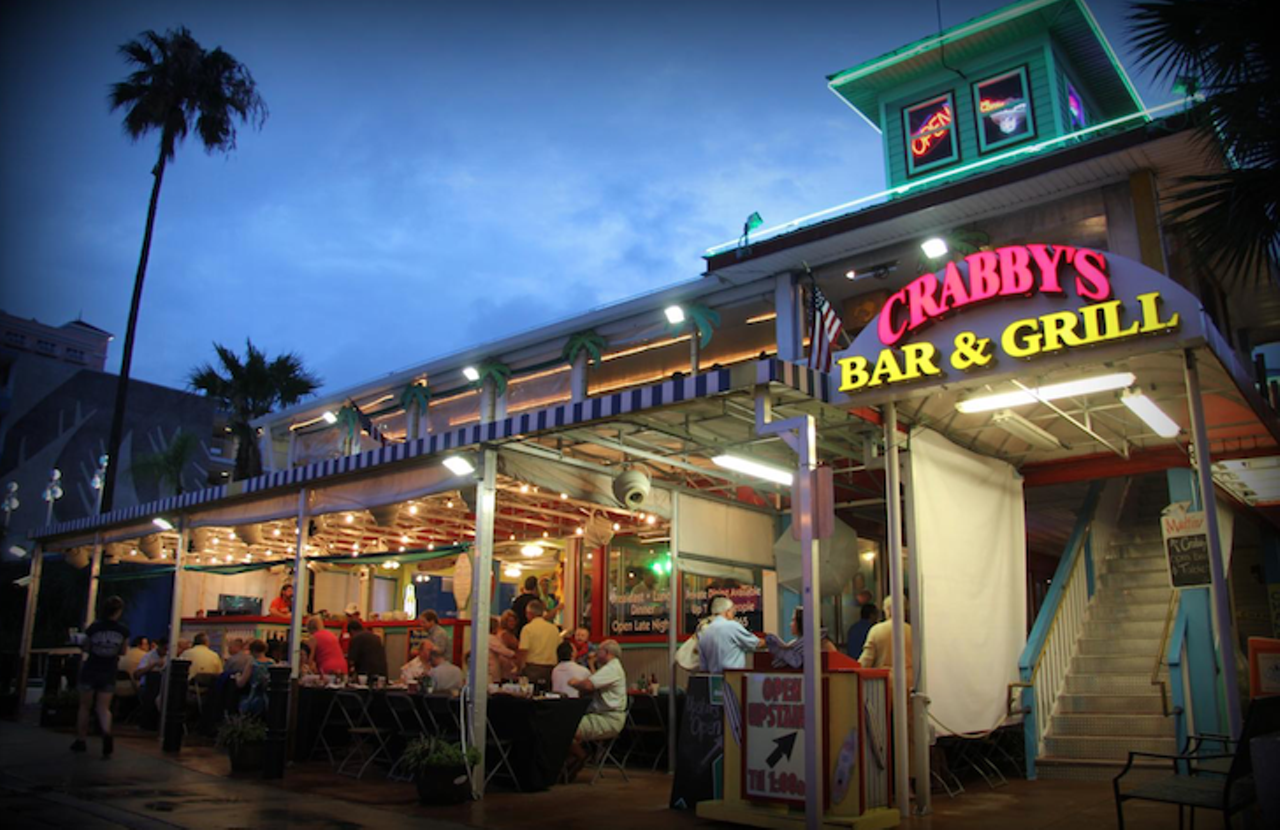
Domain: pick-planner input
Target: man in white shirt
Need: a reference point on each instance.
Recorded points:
(725, 643)
(153, 660)
(417, 668)
(203, 659)
(445, 676)
(607, 712)
(567, 671)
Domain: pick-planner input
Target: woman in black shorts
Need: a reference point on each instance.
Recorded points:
(104, 643)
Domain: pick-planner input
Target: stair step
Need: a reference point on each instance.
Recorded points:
(1141, 703)
(1123, 629)
(1093, 724)
(1113, 663)
(1134, 579)
(1129, 612)
(1106, 748)
(1134, 564)
(1095, 769)
(1103, 646)
(1119, 684)
(1157, 595)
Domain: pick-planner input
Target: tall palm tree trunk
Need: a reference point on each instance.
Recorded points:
(126, 359)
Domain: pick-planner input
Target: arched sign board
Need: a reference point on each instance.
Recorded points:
(1012, 312)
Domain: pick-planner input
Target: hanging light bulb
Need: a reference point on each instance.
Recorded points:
(413, 510)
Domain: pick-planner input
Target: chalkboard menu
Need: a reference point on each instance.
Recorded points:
(1188, 561)
(1186, 546)
(699, 744)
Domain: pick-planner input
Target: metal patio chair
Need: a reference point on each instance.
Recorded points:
(409, 725)
(368, 742)
(605, 752)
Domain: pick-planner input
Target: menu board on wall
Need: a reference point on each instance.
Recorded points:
(640, 611)
(748, 607)
(1186, 544)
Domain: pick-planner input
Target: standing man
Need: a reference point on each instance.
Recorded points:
(725, 642)
(104, 643)
(436, 635)
(367, 655)
(282, 606)
(857, 636)
(521, 603)
(877, 652)
(538, 642)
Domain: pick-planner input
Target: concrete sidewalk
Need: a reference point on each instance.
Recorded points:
(43, 784)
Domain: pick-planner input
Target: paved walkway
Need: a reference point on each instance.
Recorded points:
(43, 784)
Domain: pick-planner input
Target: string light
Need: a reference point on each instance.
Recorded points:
(413, 510)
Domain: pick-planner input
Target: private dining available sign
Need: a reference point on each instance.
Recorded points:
(1036, 300)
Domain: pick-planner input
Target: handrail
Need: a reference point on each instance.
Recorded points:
(1055, 632)
(1169, 615)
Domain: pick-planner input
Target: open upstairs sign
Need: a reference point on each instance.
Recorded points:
(1017, 302)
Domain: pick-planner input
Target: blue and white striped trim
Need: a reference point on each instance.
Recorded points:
(576, 413)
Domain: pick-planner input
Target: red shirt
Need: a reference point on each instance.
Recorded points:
(327, 653)
(282, 607)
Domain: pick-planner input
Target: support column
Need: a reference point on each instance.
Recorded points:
(301, 587)
(482, 598)
(277, 722)
(675, 615)
(29, 624)
(95, 574)
(893, 505)
(788, 325)
(1224, 631)
(811, 596)
(578, 376)
(919, 694)
(171, 683)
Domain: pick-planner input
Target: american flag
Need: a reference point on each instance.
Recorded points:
(825, 331)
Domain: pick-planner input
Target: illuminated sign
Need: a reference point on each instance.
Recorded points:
(1075, 107)
(930, 133)
(1067, 301)
(1003, 107)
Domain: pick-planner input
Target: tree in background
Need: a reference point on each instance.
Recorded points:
(1223, 50)
(249, 389)
(167, 465)
(176, 86)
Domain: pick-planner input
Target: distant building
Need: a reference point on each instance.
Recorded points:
(55, 412)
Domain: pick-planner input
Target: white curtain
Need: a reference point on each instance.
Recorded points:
(970, 524)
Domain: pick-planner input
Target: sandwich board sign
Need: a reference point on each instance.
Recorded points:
(1185, 536)
(773, 756)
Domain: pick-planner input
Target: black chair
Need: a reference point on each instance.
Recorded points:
(1197, 780)
(368, 741)
(645, 721)
(409, 725)
(604, 752)
(497, 750)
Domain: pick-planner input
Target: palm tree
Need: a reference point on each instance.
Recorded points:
(249, 389)
(1223, 50)
(168, 464)
(176, 86)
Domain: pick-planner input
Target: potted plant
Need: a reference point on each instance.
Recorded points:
(440, 769)
(243, 736)
(59, 709)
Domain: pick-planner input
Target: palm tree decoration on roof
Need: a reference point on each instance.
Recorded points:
(249, 389)
(1222, 50)
(176, 86)
(497, 373)
(588, 342)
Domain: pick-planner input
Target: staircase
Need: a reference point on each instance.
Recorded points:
(1108, 705)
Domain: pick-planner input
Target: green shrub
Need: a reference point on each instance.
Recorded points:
(426, 753)
(238, 730)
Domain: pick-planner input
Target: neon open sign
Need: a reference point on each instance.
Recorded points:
(938, 125)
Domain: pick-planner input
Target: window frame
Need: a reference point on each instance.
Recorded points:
(984, 146)
(914, 169)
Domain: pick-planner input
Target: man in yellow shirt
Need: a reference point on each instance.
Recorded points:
(538, 640)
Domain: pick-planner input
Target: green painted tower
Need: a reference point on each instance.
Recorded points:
(1027, 77)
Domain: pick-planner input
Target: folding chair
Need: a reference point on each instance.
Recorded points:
(367, 741)
(494, 747)
(645, 718)
(443, 718)
(604, 752)
(409, 725)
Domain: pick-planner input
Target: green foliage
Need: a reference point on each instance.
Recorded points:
(589, 342)
(426, 753)
(239, 730)
(497, 372)
(249, 389)
(166, 466)
(1222, 50)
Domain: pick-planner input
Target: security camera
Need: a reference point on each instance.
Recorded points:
(631, 488)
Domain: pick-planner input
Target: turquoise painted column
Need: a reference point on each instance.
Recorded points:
(1195, 615)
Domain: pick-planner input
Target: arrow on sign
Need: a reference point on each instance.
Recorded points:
(783, 747)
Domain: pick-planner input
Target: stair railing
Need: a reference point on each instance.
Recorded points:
(1043, 666)
(1170, 614)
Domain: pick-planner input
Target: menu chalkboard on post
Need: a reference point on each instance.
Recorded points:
(1186, 546)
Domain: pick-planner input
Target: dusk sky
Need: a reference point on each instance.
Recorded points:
(432, 175)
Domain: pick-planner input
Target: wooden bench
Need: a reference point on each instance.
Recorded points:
(1198, 778)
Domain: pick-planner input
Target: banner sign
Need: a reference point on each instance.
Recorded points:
(748, 604)
(642, 611)
(1186, 545)
(773, 740)
(994, 311)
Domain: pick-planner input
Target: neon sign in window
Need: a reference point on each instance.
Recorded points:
(930, 134)
(1075, 108)
(1003, 108)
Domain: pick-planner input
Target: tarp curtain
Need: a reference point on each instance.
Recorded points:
(341, 559)
(376, 491)
(970, 524)
(273, 508)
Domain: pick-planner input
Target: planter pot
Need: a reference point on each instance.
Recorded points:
(246, 758)
(443, 785)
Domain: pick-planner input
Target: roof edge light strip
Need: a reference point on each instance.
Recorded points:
(834, 212)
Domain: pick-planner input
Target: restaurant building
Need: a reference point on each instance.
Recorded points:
(1037, 372)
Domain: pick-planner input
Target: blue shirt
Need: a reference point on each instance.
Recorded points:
(857, 637)
(725, 644)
